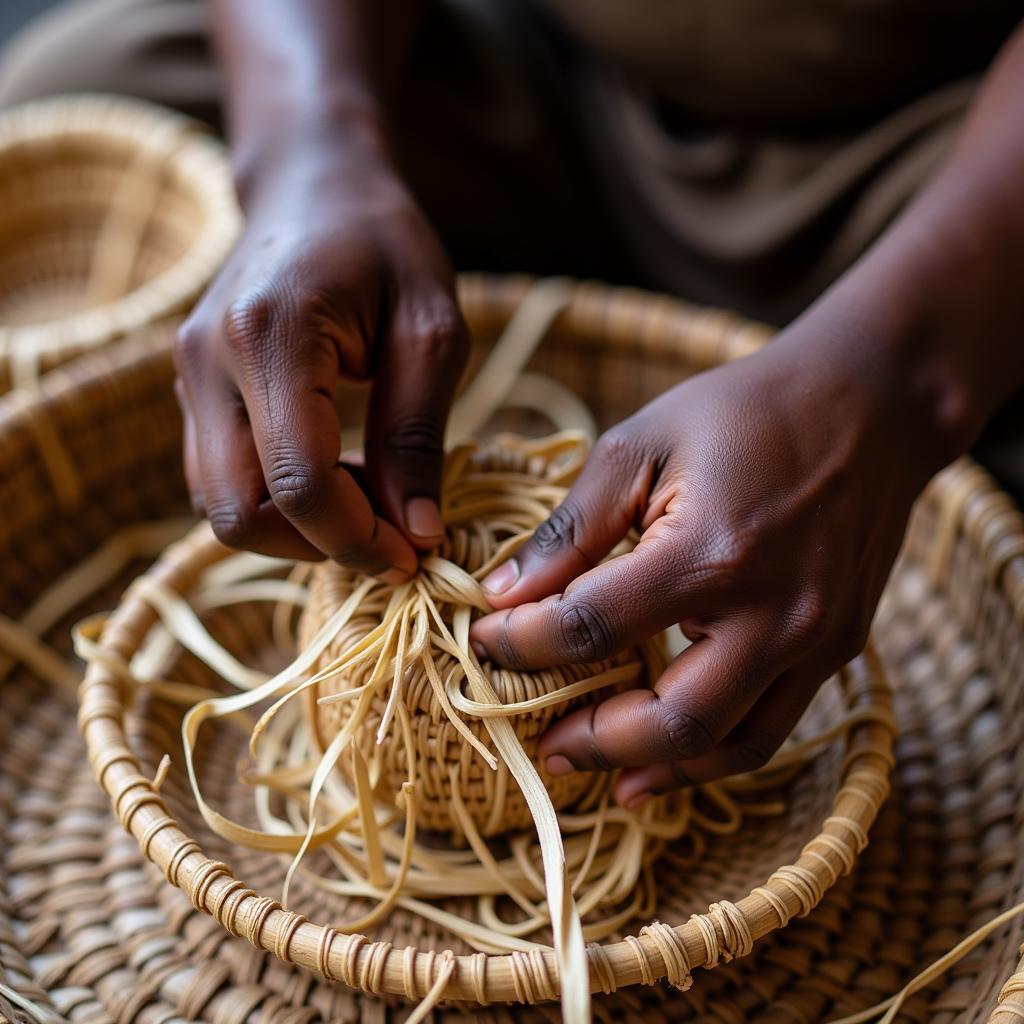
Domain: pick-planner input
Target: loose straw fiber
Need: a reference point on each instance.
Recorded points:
(425, 736)
(113, 214)
(87, 933)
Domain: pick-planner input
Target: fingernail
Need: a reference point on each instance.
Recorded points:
(479, 650)
(635, 801)
(423, 518)
(393, 577)
(558, 764)
(503, 578)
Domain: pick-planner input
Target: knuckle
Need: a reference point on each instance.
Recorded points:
(752, 753)
(442, 337)
(416, 437)
(249, 318)
(556, 533)
(809, 617)
(616, 447)
(189, 345)
(585, 632)
(230, 524)
(732, 556)
(686, 735)
(295, 488)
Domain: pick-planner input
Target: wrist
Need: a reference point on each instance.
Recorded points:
(886, 336)
(877, 390)
(314, 143)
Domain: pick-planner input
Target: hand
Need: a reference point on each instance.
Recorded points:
(772, 495)
(337, 274)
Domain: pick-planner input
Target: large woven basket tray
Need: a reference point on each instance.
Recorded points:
(113, 214)
(88, 931)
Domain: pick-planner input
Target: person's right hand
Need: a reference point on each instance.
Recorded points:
(337, 274)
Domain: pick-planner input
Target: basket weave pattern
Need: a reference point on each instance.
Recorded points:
(833, 831)
(113, 214)
(86, 932)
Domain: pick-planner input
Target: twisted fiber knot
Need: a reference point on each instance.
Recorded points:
(803, 883)
(102, 706)
(105, 761)
(323, 952)
(1013, 989)
(371, 977)
(847, 857)
(152, 830)
(648, 976)
(348, 959)
(601, 968)
(479, 972)
(204, 878)
(450, 583)
(409, 972)
(229, 899)
(778, 904)
(673, 954)
(530, 977)
(285, 934)
(137, 799)
(859, 833)
(725, 932)
(261, 910)
(185, 847)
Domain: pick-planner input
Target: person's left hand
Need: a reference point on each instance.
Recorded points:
(772, 495)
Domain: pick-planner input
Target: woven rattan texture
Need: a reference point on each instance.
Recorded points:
(113, 215)
(88, 931)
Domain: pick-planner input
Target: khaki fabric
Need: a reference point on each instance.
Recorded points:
(741, 153)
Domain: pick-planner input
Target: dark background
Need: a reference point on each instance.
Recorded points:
(15, 13)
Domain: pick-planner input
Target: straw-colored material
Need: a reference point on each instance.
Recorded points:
(86, 931)
(423, 627)
(113, 214)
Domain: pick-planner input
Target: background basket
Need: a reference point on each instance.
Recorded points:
(113, 214)
(89, 931)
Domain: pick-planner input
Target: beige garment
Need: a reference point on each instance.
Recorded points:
(775, 63)
(736, 152)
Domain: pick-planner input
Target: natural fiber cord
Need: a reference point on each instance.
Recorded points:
(102, 939)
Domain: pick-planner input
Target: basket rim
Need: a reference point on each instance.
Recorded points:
(166, 139)
(704, 338)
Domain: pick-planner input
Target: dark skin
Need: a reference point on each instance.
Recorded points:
(772, 494)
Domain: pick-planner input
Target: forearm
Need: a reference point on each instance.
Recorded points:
(311, 73)
(933, 314)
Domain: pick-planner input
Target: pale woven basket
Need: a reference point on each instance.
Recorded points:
(113, 214)
(87, 931)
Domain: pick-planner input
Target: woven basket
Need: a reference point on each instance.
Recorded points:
(113, 214)
(87, 932)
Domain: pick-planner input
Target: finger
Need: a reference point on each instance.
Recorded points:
(286, 383)
(605, 501)
(234, 494)
(621, 602)
(702, 695)
(415, 377)
(748, 747)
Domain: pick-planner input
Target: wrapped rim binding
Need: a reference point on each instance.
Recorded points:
(943, 857)
(591, 863)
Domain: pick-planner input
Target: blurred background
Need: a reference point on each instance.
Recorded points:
(15, 13)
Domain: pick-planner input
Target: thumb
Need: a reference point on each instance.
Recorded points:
(605, 501)
(417, 370)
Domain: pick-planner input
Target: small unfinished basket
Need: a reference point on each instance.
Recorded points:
(826, 825)
(113, 214)
(88, 931)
